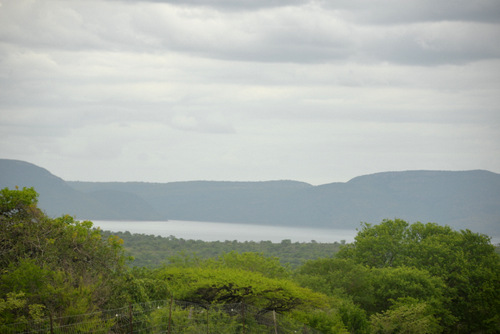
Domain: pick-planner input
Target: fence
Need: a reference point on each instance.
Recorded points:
(170, 317)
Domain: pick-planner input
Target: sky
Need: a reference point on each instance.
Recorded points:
(250, 90)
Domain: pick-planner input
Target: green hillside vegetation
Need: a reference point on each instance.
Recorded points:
(154, 251)
(395, 277)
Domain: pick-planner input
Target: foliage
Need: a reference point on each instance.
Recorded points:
(378, 246)
(18, 204)
(396, 277)
(407, 316)
(154, 251)
(15, 308)
(371, 290)
(248, 261)
(337, 277)
(253, 262)
(466, 263)
(391, 284)
(226, 285)
(326, 321)
(53, 266)
(185, 317)
(249, 279)
(192, 320)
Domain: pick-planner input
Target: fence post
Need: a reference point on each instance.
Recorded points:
(51, 323)
(170, 314)
(275, 325)
(131, 318)
(208, 308)
(243, 316)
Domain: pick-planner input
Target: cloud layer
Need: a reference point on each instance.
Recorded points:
(249, 90)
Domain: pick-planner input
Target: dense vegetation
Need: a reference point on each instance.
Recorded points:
(153, 251)
(395, 278)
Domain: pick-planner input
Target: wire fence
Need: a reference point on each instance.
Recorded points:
(171, 317)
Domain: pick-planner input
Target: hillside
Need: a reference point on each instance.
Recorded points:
(464, 199)
(57, 197)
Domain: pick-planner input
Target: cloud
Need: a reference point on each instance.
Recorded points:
(200, 122)
(371, 12)
(433, 44)
(306, 90)
(393, 12)
(304, 33)
(228, 5)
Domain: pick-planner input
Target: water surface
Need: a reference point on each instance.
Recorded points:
(209, 231)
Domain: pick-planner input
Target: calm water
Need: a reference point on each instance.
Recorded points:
(208, 231)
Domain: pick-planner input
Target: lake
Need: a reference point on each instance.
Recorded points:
(210, 231)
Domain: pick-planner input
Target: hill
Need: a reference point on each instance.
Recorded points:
(461, 199)
(57, 197)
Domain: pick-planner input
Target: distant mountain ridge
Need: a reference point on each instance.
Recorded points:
(57, 197)
(461, 199)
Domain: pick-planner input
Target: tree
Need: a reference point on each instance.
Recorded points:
(226, 285)
(380, 245)
(374, 290)
(18, 204)
(338, 277)
(59, 266)
(14, 309)
(406, 316)
(391, 284)
(253, 262)
(465, 261)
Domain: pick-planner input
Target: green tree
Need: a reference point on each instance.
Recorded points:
(406, 316)
(226, 285)
(250, 261)
(223, 285)
(338, 277)
(15, 308)
(392, 284)
(18, 204)
(465, 261)
(379, 245)
(373, 290)
(59, 266)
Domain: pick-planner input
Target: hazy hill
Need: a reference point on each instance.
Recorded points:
(466, 199)
(57, 197)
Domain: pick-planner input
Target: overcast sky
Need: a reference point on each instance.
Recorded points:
(250, 90)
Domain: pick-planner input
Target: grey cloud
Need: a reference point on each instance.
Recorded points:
(433, 44)
(46, 24)
(228, 5)
(197, 86)
(72, 26)
(376, 11)
(199, 123)
(389, 12)
(297, 34)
